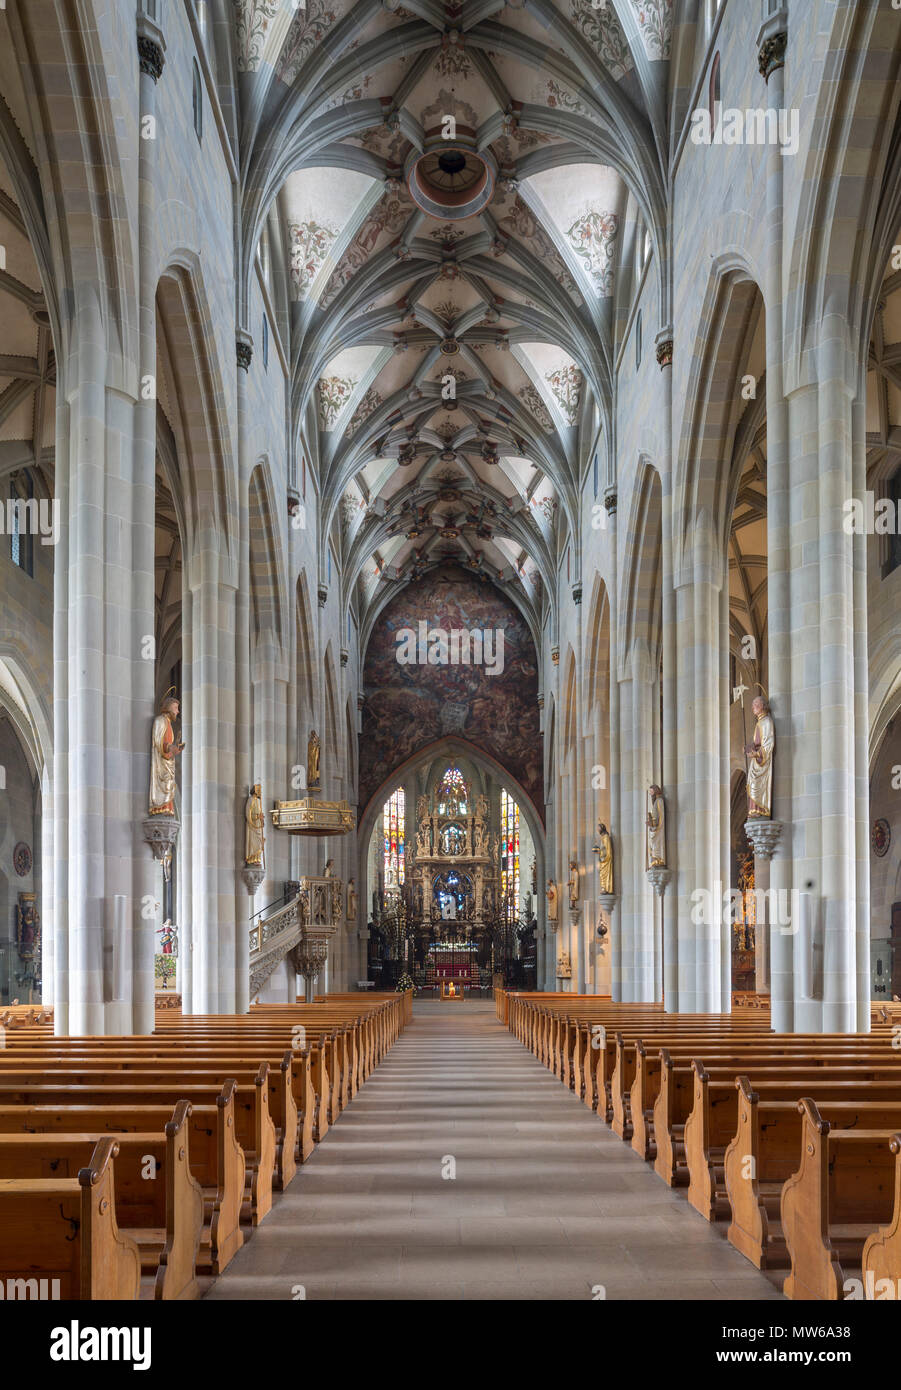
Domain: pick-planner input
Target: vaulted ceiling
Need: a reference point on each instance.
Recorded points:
(449, 194)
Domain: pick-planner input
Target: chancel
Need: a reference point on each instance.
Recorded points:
(450, 656)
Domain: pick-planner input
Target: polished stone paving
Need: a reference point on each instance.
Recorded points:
(545, 1202)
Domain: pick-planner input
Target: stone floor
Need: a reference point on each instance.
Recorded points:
(464, 1170)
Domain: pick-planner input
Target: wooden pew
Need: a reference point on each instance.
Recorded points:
(763, 1155)
(840, 1195)
(216, 1158)
(881, 1259)
(65, 1229)
(255, 1131)
(712, 1121)
(161, 1212)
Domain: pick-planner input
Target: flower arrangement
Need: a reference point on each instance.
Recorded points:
(404, 983)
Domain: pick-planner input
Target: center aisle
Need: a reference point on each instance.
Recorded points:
(546, 1202)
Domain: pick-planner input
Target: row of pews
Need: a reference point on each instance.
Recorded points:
(793, 1141)
(132, 1166)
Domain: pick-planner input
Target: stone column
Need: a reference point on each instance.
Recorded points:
(699, 924)
(244, 735)
(148, 873)
(771, 41)
(669, 973)
(636, 908)
(614, 937)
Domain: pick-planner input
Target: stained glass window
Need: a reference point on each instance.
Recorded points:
(452, 794)
(510, 851)
(393, 827)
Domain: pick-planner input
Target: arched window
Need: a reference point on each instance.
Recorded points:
(638, 339)
(393, 829)
(197, 102)
(646, 247)
(452, 794)
(893, 559)
(509, 853)
(21, 520)
(265, 336)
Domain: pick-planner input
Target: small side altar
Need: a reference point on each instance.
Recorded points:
(450, 990)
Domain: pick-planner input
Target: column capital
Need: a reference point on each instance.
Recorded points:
(243, 349)
(664, 344)
(151, 57)
(772, 41)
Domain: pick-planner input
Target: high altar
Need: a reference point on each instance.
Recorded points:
(455, 871)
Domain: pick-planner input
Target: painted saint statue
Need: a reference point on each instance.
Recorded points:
(163, 752)
(760, 762)
(604, 848)
(656, 824)
(351, 900)
(573, 883)
(551, 900)
(255, 820)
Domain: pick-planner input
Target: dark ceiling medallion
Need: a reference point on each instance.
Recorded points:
(449, 346)
(450, 178)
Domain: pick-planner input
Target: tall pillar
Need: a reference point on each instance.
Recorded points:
(771, 41)
(700, 700)
(669, 771)
(614, 937)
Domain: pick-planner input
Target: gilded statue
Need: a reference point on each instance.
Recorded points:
(313, 761)
(254, 822)
(760, 762)
(604, 851)
(163, 752)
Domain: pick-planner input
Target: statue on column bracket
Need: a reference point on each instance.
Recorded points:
(656, 825)
(351, 900)
(572, 883)
(163, 752)
(254, 820)
(604, 851)
(760, 755)
(313, 761)
(551, 900)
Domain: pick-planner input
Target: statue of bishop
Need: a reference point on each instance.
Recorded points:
(760, 762)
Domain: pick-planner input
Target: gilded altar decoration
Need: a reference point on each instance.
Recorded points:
(760, 761)
(604, 851)
(656, 829)
(28, 927)
(255, 820)
(454, 874)
(163, 751)
(313, 761)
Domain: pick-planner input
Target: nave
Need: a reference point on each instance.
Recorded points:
(547, 1202)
